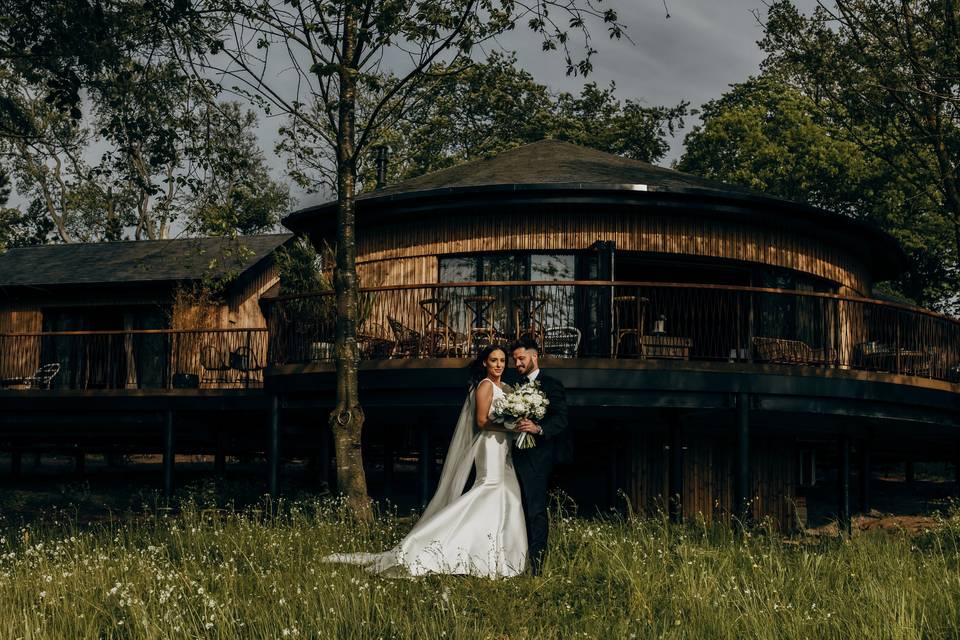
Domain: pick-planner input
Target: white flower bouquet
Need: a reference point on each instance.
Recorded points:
(525, 401)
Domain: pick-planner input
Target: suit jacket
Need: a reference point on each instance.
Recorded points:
(555, 441)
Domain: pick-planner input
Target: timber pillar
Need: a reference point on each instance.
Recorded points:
(168, 453)
(843, 485)
(863, 476)
(389, 454)
(273, 445)
(741, 494)
(424, 464)
(675, 466)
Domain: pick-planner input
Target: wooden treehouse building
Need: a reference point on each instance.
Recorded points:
(713, 341)
(721, 349)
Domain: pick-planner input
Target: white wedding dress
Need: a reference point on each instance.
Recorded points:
(479, 533)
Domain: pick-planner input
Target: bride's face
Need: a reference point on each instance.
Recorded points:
(495, 363)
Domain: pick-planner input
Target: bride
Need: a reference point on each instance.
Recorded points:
(480, 532)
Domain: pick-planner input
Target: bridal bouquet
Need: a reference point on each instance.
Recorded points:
(525, 401)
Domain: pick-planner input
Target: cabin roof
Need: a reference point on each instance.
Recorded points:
(556, 172)
(141, 261)
(554, 162)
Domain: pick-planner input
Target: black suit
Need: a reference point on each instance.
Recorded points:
(534, 466)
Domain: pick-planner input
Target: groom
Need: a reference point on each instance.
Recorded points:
(534, 465)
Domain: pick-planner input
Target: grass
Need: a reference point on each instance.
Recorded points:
(214, 572)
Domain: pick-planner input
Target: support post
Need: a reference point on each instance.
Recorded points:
(675, 505)
(908, 471)
(424, 464)
(273, 453)
(220, 456)
(741, 503)
(843, 510)
(168, 453)
(324, 457)
(388, 455)
(16, 463)
(79, 463)
(956, 465)
(864, 477)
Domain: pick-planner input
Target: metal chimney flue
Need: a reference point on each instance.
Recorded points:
(383, 157)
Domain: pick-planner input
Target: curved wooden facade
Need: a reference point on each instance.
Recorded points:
(409, 252)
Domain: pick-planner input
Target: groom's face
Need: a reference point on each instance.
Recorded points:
(525, 360)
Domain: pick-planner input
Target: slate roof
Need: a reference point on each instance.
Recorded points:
(547, 163)
(140, 261)
(554, 162)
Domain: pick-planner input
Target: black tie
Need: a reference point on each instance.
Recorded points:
(524, 379)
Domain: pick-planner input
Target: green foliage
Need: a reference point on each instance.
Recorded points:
(236, 193)
(214, 571)
(767, 135)
(21, 229)
(483, 110)
(303, 269)
(883, 76)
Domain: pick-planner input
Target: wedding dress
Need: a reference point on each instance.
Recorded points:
(480, 532)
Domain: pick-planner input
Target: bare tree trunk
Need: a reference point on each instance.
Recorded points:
(347, 418)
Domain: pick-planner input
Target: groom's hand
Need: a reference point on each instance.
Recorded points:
(529, 426)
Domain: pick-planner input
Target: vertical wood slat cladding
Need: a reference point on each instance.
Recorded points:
(20, 358)
(708, 477)
(632, 231)
(411, 270)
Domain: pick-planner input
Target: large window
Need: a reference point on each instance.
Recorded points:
(810, 319)
(507, 267)
(553, 306)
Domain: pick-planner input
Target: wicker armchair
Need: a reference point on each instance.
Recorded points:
(783, 351)
(41, 379)
(406, 341)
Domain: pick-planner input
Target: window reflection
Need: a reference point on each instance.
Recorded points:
(516, 308)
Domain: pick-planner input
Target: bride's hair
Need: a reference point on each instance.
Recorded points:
(477, 370)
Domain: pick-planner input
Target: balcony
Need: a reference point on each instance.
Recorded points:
(627, 320)
(146, 359)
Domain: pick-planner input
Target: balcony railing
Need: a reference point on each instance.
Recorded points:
(627, 320)
(146, 359)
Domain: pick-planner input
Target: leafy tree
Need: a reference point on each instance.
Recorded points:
(235, 194)
(488, 108)
(170, 157)
(884, 73)
(767, 135)
(24, 228)
(337, 49)
(63, 46)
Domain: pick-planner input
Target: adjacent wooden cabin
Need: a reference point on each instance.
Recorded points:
(722, 349)
(138, 315)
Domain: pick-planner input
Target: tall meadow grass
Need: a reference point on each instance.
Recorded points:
(204, 572)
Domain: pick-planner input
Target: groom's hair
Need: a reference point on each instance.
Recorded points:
(525, 343)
